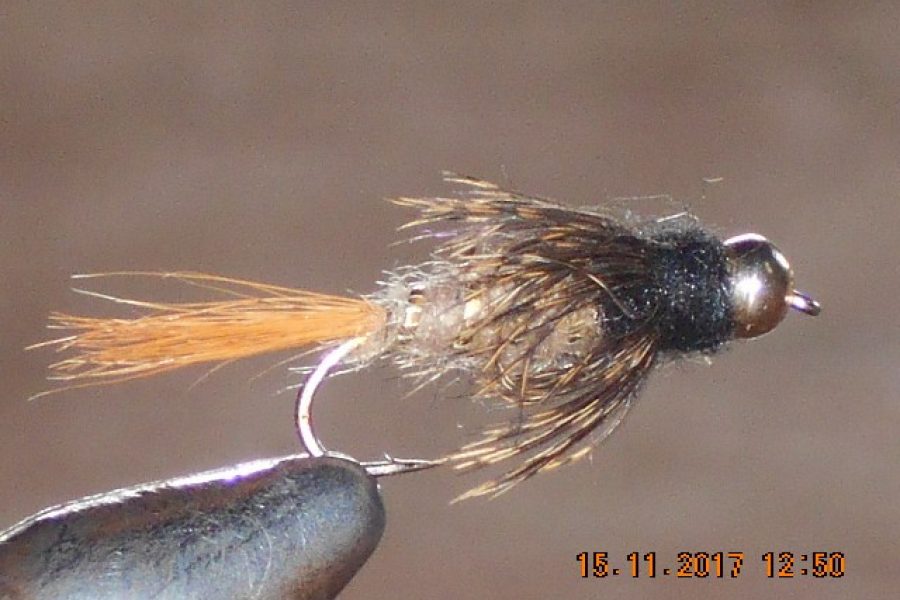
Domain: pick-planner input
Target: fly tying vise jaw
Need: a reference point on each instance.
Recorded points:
(308, 438)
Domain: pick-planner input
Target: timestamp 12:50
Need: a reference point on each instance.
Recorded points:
(713, 565)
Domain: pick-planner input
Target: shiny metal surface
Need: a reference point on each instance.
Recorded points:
(762, 279)
(293, 527)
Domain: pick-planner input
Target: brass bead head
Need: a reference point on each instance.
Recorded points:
(762, 286)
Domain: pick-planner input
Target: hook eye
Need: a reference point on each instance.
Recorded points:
(804, 303)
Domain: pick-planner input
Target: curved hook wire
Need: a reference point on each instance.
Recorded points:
(304, 423)
(804, 303)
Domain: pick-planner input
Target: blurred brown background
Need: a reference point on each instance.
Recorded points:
(257, 140)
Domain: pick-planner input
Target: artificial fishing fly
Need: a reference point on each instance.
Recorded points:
(558, 312)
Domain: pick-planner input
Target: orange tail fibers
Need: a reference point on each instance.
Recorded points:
(256, 319)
